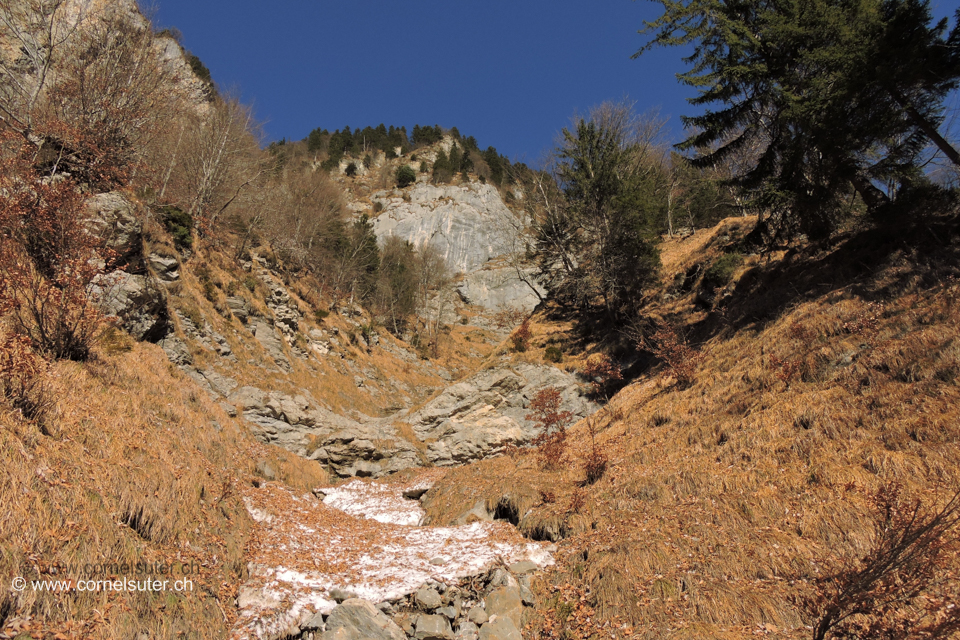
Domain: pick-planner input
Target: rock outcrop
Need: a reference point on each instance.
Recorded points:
(467, 224)
(480, 416)
(128, 291)
(501, 289)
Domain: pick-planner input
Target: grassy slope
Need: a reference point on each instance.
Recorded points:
(131, 469)
(828, 373)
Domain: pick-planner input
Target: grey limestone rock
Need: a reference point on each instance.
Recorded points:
(501, 289)
(467, 631)
(167, 268)
(428, 598)
(477, 615)
(356, 619)
(137, 300)
(239, 308)
(479, 416)
(434, 627)
(503, 628)
(267, 336)
(505, 602)
(113, 218)
(468, 224)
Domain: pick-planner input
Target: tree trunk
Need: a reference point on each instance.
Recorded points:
(870, 193)
(926, 126)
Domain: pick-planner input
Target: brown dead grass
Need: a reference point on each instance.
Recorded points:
(721, 498)
(138, 466)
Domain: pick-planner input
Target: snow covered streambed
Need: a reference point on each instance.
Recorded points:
(363, 538)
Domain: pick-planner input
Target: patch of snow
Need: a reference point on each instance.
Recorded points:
(255, 513)
(381, 502)
(360, 539)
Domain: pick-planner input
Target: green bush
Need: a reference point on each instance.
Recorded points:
(180, 225)
(367, 161)
(351, 169)
(553, 354)
(377, 207)
(321, 314)
(424, 167)
(722, 270)
(405, 176)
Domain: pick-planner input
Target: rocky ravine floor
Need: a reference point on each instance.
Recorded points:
(360, 544)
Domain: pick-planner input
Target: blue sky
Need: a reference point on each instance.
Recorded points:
(509, 73)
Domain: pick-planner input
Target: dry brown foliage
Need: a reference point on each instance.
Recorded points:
(680, 360)
(138, 472)
(603, 372)
(521, 337)
(904, 586)
(48, 259)
(545, 412)
(23, 383)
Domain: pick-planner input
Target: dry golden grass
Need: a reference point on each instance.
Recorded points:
(723, 498)
(137, 466)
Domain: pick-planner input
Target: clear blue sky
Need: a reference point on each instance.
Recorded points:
(509, 73)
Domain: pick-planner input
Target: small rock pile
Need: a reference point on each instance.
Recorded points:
(488, 607)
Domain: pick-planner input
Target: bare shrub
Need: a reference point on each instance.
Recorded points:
(48, 260)
(786, 370)
(680, 359)
(595, 461)
(603, 372)
(508, 318)
(553, 423)
(903, 587)
(521, 337)
(113, 89)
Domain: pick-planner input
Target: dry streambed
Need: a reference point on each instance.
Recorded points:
(360, 544)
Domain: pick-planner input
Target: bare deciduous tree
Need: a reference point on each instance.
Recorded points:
(33, 37)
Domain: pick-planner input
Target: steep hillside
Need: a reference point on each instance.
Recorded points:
(822, 403)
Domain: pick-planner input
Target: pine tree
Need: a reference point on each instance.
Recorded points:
(814, 83)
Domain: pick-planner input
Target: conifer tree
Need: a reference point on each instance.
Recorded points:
(838, 94)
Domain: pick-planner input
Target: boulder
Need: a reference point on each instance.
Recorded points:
(428, 598)
(524, 566)
(483, 414)
(138, 301)
(467, 631)
(502, 628)
(167, 268)
(176, 349)
(477, 615)
(239, 308)
(356, 619)
(433, 628)
(271, 342)
(505, 602)
(312, 623)
(113, 218)
(339, 595)
(479, 513)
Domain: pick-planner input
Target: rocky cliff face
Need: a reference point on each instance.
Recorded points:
(468, 224)
(473, 229)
